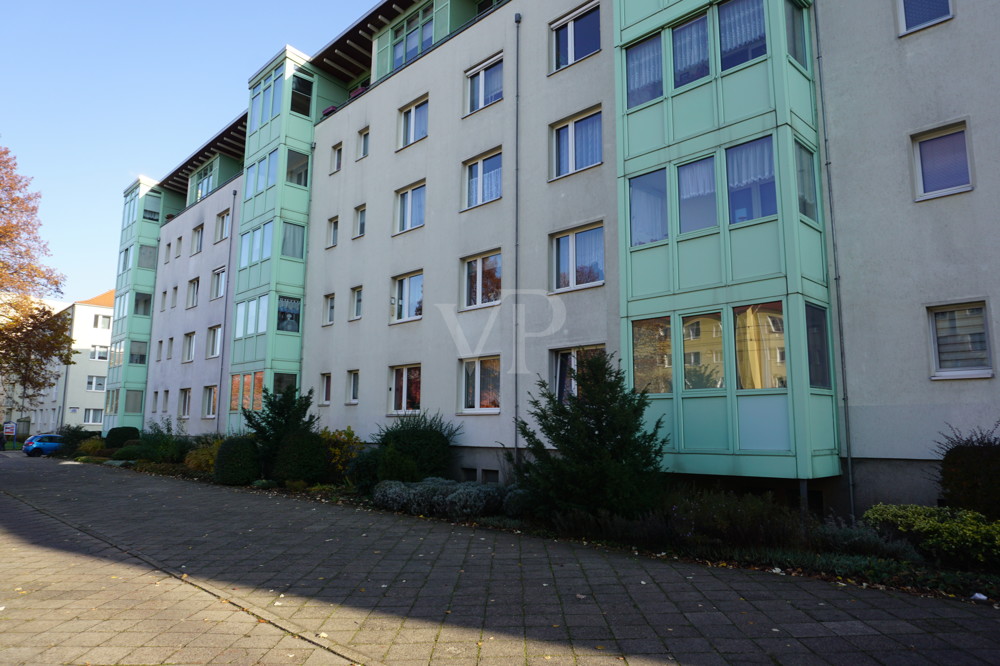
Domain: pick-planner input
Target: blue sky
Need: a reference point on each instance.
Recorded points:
(99, 93)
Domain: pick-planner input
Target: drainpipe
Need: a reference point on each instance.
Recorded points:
(225, 317)
(836, 272)
(517, 226)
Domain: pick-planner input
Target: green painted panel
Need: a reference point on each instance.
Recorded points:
(645, 129)
(661, 407)
(746, 92)
(706, 424)
(763, 423)
(811, 257)
(800, 98)
(636, 10)
(699, 261)
(295, 198)
(825, 465)
(650, 271)
(287, 347)
(694, 111)
(822, 428)
(768, 466)
(756, 250)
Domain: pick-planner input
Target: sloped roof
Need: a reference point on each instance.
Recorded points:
(107, 299)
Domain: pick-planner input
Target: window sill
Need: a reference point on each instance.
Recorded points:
(351, 403)
(330, 247)
(981, 373)
(406, 231)
(407, 145)
(409, 412)
(923, 26)
(582, 287)
(649, 244)
(484, 106)
(753, 220)
(565, 67)
(571, 173)
(354, 319)
(394, 322)
(480, 204)
(356, 237)
(478, 412)
(481, 306)
(942, 193)
(325, 324)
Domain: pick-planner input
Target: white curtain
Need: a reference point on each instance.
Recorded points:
(648, 207)
(644, 65)
(590, 256)
(696, 179)
(750, 164)
(690, 49)
(741, 23)
(492, 177)
(493, 83)
(588, 141)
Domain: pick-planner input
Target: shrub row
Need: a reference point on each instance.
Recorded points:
(444, 498)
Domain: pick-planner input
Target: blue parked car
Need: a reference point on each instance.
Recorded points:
(38, 445)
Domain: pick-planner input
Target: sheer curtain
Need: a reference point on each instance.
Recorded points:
(590, 256)
(644, 67)
(696, 189)
(492, 177)
(493, 83)
(690, 51)
(741, 31)
(750, 164)
(588, 141)
(648, 207)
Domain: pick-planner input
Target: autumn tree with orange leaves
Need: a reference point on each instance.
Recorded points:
(32, 337)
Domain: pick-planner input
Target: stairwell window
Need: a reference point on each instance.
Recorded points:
(302, 89)
(298, 169)
(413, 36)
(577, 144)
(941, 163)
(644, 71)
(576, 36)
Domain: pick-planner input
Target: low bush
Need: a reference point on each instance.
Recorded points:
(742, 521)
(970, 467)
(136, 452)
(90, 446)
(237, 462)
(416, 447)
(428, 498)
(391, 495)
(951, 537)
(517, 503)
(73, 436)
(344, 447)
(117, 437)
(171, 444)
(362, 472)
(836, 536)
(202, 457)
(303, 456)
(95, 460)
(440, 497)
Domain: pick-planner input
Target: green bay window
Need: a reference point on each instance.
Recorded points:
(413, 36)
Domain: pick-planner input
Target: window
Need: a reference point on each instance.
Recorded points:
(256, 245)
(95, 383)
(151, 207)
(102, 321)
(960, 342)
(413, 36)
(133, 402)
(293, 240)
(795, 31)
(137, 352)
(916, 14)
(223, 221)
(759, 335)
(209, 401)
(578, 144)
(163, 300)
(818, 345)
(332, 231)
(483, 280)
(409, 297)
(99, 353)
(325, 389)
(147, 256)
(251, 317)
(486, 84)
(644, 71)
(576, 36)
(690, 49)
(250, 184)
(363, 143)
(177, 246)
(484, 180)
(187, 348)
(166, 253)
(166, 400)
(155, 401)
(355, 303)
(414, 120)
(750, 170)
(566, 363)
(197, 236)
(805, 168)
(301, 95)
(360, 213)
(652, 366)
(159, 350)
(411, 208)
(336, 158)
(143, 304)
(289, 312)
(329, 301)
(703, 367)
(170, 348)
(481, 385)
(93, 416)
(405, 389)
(213, 342)
(578, 258)
(218, 283)
(741, 32)
(124, 260)
(173, 297)
(192, 292)
(942, 163)
(353, 381)
(647, 206)
(696, 190)
(130, 207)
(298, 168)
(184, 403)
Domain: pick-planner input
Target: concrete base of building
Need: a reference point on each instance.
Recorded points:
(889, 481)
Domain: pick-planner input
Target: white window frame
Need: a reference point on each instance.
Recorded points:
(353, 387)
(325, 388)
(192, 292)
(901, 13)
(408, 133)
(478, 261)
(357, 302)
(401, 297)
(477, 82)
(554, 253)
(213, 342)
(184, 404)
(187, 347)
(404, 409)
(918, 175)
(360, 220)
(209, 402)
(93, 416)
(166, 253)
(405, 211)
(570, 125)
(218, 284)
(223, 222)
(364, 143)
(336, 158)
(99, 352)
(96, 383)
(477, 197)
(981, 372)
(477, 363)
(332, 231)
(570, 22)
(329, 308)
(572, 353)
(197, 239)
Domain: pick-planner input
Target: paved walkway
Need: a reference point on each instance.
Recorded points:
(107, 566)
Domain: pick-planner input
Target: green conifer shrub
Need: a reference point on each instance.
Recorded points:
(238, 462)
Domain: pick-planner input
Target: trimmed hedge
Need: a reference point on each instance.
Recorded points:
(441, 497)
(238, 462)
(117, 437)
